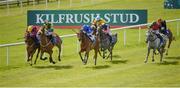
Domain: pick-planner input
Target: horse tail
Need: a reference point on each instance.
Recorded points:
(174, 38)
(171, 35)
(59, 45)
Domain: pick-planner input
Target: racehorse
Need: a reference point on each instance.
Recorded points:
(106, 43)
(87, 45)
(31, 47)
(170, 38)
(46, 45)
(154, 43)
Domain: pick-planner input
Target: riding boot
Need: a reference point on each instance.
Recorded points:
(161, 39)
(110, 38)
(54, 40)
(146, 40)
(51, 39)
(36, 41)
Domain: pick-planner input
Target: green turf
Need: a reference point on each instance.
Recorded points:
(126, 70)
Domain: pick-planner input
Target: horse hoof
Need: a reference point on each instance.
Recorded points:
(53, 62)
(43, 58)
(59, 59)
(84, 63)
(145, 61)
(152, 60)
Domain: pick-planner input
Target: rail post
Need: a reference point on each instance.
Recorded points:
(7, 2)
(58, 3)
(21, 6)
(46, 4)
(7, 57)
(70, 3)
(139, 40)
(177, 28)
(124, 37)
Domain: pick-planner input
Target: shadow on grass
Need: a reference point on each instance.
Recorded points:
(54, 67)
(177, 58)
(99, 67)
(169, 63)
(8, 68)
(116, 56)
(118, 61)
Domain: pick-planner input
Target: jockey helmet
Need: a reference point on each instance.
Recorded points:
(159, 20)
(29, 28)
(97, 18)
(85, 26)
(105, 26)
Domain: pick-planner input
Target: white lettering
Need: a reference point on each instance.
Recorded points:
(78, 18)
(69, 18)
(134, 16)
(61, 18)
(39, 18)
(123, 19)
(86, 18)
(107, 17)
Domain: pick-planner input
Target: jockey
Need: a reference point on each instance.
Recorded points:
(49, 31)
(98, 22)
(32, 33)
(163, 27)
(106, 30)
(89, 31)
(156, 26)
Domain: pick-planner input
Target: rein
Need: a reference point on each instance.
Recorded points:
(46, 44)
(153, 39)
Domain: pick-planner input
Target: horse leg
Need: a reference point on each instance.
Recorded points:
(59, 54)
(146, 59)
(161, 54)
(86, 58)
(37, 55)
(154, 51)
(111, 55)
(41, 56)
(31, 56)
(104, 54)
(81, 56)
(99, 52)
(95, 56)
(169, 44)
(28, 56)
(50, 57)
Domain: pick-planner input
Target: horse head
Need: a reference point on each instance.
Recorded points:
(27, 39)
(41, 31)
(151, 36)
(80, 35)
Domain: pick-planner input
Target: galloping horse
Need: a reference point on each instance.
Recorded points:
(31, 47)
(47, 46)
(170, 38)
(154, 43)
(106, 43)
(87, 45)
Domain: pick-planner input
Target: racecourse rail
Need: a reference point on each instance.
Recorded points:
(71, 35)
